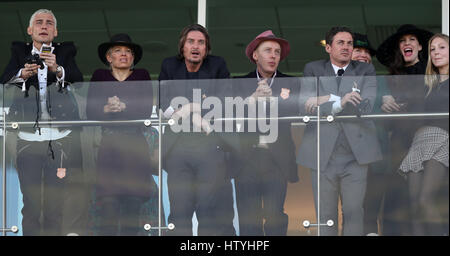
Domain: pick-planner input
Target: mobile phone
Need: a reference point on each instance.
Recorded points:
(46, 49)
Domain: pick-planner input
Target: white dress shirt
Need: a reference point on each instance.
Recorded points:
(336, 108)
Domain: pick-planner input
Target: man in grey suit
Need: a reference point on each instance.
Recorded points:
(341, 87)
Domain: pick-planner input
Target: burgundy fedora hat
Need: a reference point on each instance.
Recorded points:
(267, 36)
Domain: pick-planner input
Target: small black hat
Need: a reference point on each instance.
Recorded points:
(386, 51)
(120, 39)
(362, 41)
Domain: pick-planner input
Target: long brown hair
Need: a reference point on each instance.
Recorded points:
(398, 64)
(432, 72)
(183, 36)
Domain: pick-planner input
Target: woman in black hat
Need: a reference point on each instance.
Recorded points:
(404, 52)
(405, 55)
(124, 181)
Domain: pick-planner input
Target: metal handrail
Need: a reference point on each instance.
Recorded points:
(155, 121)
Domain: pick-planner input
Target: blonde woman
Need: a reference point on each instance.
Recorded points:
(124, 168)
(426, 164)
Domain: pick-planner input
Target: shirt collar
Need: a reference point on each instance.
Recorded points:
(36, 50)
(336, 68)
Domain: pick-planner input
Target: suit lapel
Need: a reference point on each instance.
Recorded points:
(328, 81)
(347, 79)
(51, 77)
(182, 73)
(27, 52)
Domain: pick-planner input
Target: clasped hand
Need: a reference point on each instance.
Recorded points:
(114, 105)
(263, 90)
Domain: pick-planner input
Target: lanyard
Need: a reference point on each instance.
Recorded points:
(271, 81)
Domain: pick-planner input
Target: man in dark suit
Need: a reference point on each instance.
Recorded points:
(339, 86)
(195, 161)
(265, 167)
(47, 155)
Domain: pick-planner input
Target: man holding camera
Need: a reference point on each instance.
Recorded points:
(47, 157)
(341, 86)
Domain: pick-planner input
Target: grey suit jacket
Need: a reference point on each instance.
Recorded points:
(361, 134)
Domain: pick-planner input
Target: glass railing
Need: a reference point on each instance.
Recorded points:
(226, 157)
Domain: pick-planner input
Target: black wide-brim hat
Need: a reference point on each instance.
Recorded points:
(386, 51)
(362, 41)
(120, 39)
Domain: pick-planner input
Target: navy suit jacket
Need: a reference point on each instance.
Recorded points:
(174, 71)
(213, 67)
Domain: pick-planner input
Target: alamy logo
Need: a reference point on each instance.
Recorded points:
(231, 114)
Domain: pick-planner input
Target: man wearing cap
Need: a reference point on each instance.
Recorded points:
(47, 156)
(346, 147)
(195, 159)
(266, 167)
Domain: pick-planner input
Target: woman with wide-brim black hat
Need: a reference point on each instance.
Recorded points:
(405, 55)
(404, 51)
(124, 182)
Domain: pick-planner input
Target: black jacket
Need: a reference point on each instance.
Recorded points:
(61, 104)
(283, 149)
(213, 67)
(65, 56)
(176, 81)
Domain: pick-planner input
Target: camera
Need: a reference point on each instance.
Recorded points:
(35, 59)
(362, 108)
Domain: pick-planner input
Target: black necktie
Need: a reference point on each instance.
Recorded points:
(339, 77)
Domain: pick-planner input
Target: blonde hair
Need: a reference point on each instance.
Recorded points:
(432, 72)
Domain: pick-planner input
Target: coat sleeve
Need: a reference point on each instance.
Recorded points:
(163, 74)
(14, 64)
(72, 72)
(95, 101)
(163, 87)
(369, 90)
(223, 70)
(308, 88)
